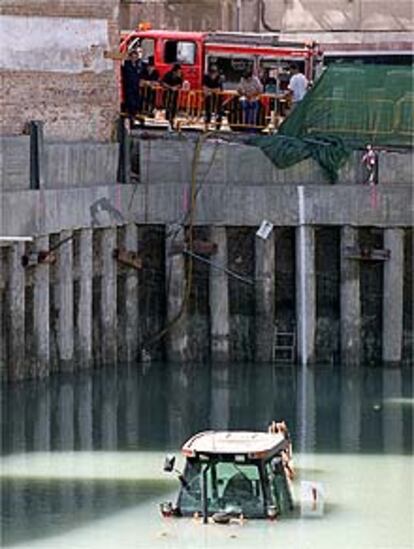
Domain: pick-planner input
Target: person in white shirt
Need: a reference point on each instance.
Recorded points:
(298, 85)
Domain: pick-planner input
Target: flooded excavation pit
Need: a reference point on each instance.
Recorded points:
(82, 457)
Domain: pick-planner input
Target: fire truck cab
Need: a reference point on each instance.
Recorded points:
(232, 52)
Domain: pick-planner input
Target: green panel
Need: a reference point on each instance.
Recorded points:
(369, 104)
(349, 107)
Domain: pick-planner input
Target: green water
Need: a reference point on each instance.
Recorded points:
(81, 460)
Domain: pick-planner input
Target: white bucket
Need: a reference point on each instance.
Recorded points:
(312, 496)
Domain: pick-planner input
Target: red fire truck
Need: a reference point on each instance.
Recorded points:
(232, 52)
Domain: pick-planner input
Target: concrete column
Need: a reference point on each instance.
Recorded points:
(219, 299)
(16, 312)
(131, 313)
(177, 339)
(392, 304)
(305, 293)
(84, 310)
(108, 296)
(265, 297)
(65, 301)
(350, 299)
(41, 313)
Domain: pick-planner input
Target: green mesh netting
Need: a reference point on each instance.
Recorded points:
(349, 107)
(361, 104)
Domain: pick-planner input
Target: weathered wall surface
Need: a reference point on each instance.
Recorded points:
(66, 165)
(14, 162)
(52, 67)
(44, 212)
(79, 164)
(289, 16)
(238, 186)
(179, 14)
(86, 308)
(313, 15)
(239, 164)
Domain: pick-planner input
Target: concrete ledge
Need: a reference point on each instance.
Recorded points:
(48, 211)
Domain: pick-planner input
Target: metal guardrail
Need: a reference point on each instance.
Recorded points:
(227, 110)
(223, 110)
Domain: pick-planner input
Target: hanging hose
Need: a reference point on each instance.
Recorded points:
(190, 264)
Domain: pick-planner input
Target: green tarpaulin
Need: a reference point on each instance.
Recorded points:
(349, 107)
(330, 152)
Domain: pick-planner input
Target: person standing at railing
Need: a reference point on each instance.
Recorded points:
(212, 88)
(249, 90)
(131, 75)
(172, 83)
(150, 78)
(298, 85)
(269, 82)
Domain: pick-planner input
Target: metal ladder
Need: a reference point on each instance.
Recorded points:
(284, 345)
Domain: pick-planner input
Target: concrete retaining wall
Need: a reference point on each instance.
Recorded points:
(86, 308)
(237, 189)
(14, 163)
(48, 211)
(81, 164)
(239, 164)
(84, 164)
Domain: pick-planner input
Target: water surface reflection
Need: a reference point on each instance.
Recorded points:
(76, 449)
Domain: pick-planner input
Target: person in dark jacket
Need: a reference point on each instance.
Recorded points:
(131, 74)
(149, 80)
(212, 87)
(172, 83)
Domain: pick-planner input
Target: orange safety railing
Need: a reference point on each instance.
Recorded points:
(223, 109)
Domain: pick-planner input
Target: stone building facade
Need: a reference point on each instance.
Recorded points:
(284, 16)
(52, 67)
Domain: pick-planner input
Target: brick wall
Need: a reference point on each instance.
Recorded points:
(77, 102)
